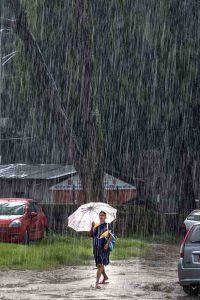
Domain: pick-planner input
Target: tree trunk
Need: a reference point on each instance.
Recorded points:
(186, 180)
(88, 158)
(92, 170)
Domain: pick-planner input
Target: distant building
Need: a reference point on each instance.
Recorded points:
(58, 184)
(115, 190)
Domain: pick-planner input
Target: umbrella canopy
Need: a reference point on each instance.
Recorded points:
(83, 217)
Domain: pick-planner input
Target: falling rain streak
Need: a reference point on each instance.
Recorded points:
(111, 87)
(145, 91)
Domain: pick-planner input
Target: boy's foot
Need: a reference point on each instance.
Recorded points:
(104, 280)
(98, 286)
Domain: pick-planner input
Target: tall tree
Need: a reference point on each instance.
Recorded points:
(88, 157)
(92, 163)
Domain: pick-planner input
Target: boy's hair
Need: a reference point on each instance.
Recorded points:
(103, 212)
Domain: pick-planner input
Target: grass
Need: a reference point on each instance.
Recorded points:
(126, 248)
(165, 238)
(159, 238)
(57, 251)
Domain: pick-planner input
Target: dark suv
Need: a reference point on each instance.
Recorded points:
(189, 262)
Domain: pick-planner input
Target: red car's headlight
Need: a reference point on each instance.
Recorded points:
(15, 224)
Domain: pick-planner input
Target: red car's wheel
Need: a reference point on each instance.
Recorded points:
(25, 239)
(45, 233)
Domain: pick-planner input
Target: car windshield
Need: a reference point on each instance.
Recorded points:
(195, 235)
(11, 208)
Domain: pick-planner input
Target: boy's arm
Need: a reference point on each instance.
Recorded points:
(91, 232)
(108, 241)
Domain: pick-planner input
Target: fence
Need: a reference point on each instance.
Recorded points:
(131, 219)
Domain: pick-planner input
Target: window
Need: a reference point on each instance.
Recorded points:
(195, 235)
(194, 217)
(11, 208)
(36, 206)
(70, 182)
(33, 207)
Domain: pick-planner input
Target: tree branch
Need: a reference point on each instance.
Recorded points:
(8, 23)
(44, 77)
(89, 160)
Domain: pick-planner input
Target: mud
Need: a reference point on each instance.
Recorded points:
(153, 277)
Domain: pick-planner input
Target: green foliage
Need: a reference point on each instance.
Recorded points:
(54, 252)
(145, 81)
(58, 251)
(126, 248)
(144, 69)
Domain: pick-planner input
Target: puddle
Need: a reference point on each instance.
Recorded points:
(153, 277)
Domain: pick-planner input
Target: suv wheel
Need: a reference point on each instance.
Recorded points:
(191, 290)
(25, 240)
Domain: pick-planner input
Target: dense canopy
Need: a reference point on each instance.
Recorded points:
(145, 88)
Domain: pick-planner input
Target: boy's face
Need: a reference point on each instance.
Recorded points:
(102, 218)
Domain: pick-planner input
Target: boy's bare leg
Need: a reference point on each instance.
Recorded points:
(105, 277)
(99, 272)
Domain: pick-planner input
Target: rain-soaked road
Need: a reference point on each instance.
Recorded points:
(154, 277)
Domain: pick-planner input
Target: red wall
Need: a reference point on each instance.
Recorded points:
(112, 196)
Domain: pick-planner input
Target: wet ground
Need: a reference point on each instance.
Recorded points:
(154, 277)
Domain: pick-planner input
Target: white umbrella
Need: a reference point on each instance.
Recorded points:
(83, 217)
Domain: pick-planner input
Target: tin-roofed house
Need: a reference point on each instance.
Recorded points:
(116, 191)
(58, 188)
(32, 181)
(59, 184)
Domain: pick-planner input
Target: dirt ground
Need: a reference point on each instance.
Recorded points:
(154, 277)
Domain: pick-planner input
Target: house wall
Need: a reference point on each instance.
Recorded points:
(68, 196)
(120, 196)
(39, 191)
(76, 196)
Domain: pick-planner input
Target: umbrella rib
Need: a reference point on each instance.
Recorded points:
(107, 206)
(80, 220)
(95, 212)
(81, 211)
(105, 209)
(83, 216)
(91, 216)
(77, 213)
(103, 204)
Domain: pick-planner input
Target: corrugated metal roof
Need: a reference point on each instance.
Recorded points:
(112, 182)
(40, 171)
(52, 171)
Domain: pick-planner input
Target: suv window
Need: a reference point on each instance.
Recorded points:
(195, 235)
(194, 217)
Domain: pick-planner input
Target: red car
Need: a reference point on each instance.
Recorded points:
(21, 220)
